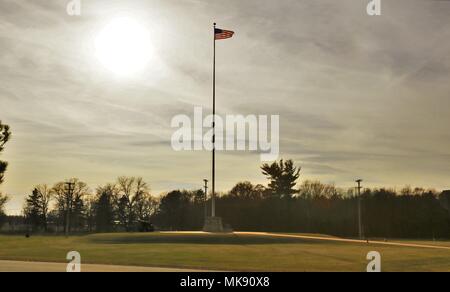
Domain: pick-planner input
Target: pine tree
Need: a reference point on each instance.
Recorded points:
(5, 134)
(32, 210)
(104, 208)
(283, 177)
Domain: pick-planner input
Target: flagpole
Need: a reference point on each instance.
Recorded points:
(213, 197)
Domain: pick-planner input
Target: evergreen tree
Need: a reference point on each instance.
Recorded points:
(32, 210)
(104, 208)
(5, 134)
(283, 177)
(37, 207)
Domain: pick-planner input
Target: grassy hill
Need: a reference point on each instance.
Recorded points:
(234, 252)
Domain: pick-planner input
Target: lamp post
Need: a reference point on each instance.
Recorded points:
(206, 197)
(360, 229)
(69, 189)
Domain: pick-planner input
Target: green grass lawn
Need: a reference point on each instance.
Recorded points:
(221, 252)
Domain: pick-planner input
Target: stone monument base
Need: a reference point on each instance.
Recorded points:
(213, 224)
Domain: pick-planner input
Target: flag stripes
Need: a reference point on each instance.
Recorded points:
(221, 34)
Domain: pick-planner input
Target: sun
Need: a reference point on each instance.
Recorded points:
(123, 46)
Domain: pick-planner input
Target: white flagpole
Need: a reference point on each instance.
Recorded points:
(213, 196)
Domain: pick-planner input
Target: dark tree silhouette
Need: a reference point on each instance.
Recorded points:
(37, 207)
(73, 203)
(104, 209)
(181, 210)
(5, 134)
(172, 210)
(134, 201)
(312, 208)
(31, 211)
(3, 200)
(283, 177)
(444, 198)
(246, 190)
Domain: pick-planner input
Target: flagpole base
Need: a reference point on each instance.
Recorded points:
(213, 224)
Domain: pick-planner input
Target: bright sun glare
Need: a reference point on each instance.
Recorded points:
(123, 46)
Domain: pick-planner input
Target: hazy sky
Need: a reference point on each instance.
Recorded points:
(358, 96)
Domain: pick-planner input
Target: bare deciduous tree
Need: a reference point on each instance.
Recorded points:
(71, 202)
(135, 202)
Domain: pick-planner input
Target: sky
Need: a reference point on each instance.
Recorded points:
(357, 95)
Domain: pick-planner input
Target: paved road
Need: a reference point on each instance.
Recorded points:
(336, 239)
(17, 266)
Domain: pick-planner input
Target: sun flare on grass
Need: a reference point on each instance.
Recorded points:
(123, 46)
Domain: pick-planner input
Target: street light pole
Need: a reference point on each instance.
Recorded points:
(360, 229)
(70, 187)
(206, 198)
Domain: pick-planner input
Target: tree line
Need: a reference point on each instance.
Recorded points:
(281, 206)
(71, 206)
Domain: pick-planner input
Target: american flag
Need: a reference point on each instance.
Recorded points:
(221, 34)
